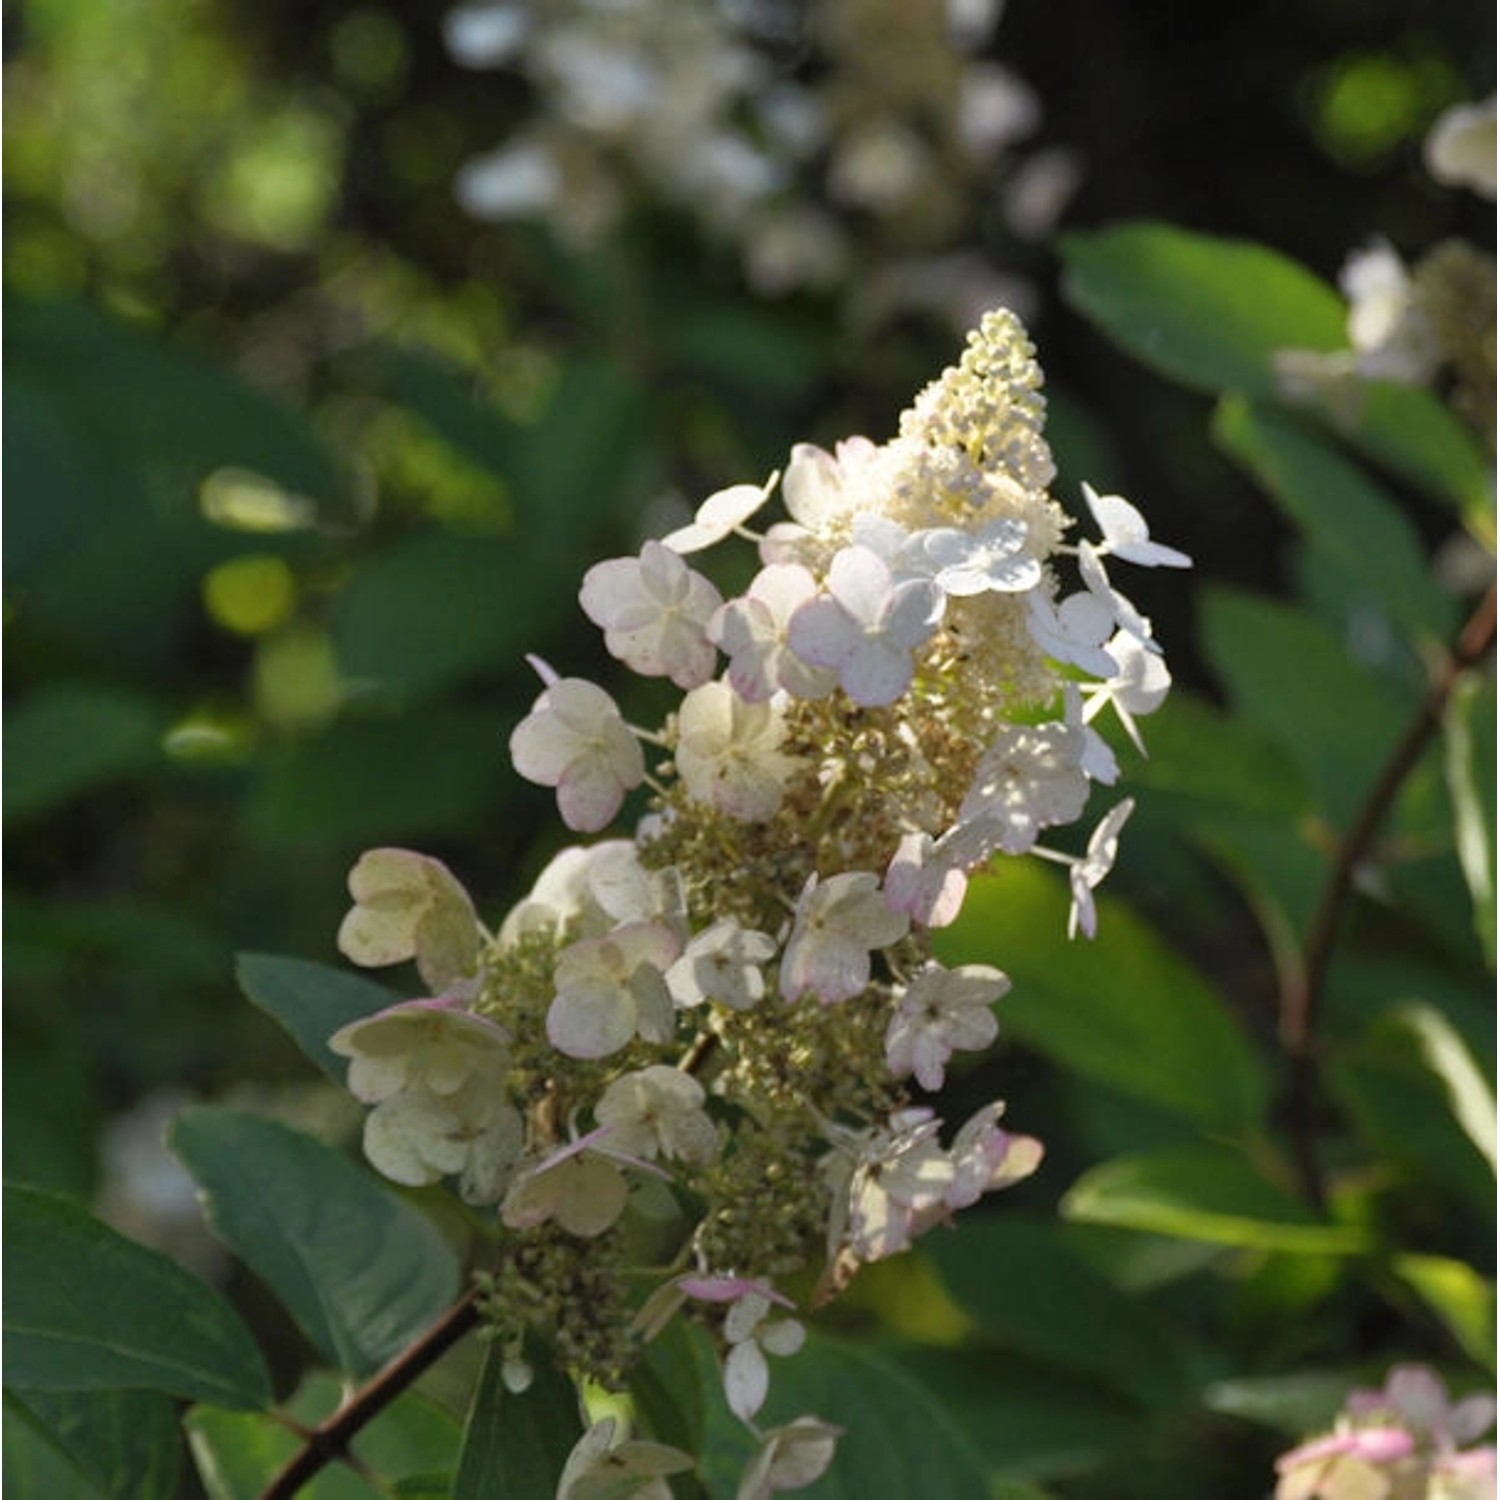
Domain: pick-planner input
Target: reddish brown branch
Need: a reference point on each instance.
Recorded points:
(1303, 985)
(329, 1441)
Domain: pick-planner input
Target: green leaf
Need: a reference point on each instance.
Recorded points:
(373, 780)
(406, 1446)
(31, 1464)
(1412, 433)
(1403, 1108)
(898, 1442)
(1021, 1283)
(1211, 313)
(68, 739)
(1123, 1009)
(1294, 1405)
(1462, 1299)
(1338, 723)
(1207, 1193)
(1338, 507)
(311, 1001)
(87, 1309)
(1468, 1090)
(517, 1445)
(1024, 1420)
(362, 1271)
(1469, 766)
(127, 1442)
(435, 608)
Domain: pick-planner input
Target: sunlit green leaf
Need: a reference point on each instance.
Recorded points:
(1468, 1090)
(1209, 312)
(311, 1001)
(407, 1445)
(1205, 1193)
(1469, 765)
(1124, 1009)
(517, 1445)
(127, 1442)
(1462, 1298)
(361, 1271)
(87, 1309)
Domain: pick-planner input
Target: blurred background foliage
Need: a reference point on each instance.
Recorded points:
(302, 461)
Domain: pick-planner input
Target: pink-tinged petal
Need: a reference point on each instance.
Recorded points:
(822, 633)
(729, 1289)
(612, 596)
(588, 796)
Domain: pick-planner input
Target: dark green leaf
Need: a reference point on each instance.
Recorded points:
(68, 739)
(1026, 1420)
(1295, 1405)
(1207, 1193)
(1334, 720)
(311, 1001)
(898, 1442)
(32, 1465)
(1019, 1280)
(87, 1309)
(1336, 505)
(127, 1442)
(438, 770)
(1209, 312)
(362, 1271)
(1123, 1009)
(517, 1445)
(1469, 766)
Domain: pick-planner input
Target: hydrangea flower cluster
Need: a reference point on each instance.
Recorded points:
(1406, 1441)
(691, 1067)
(811, 136)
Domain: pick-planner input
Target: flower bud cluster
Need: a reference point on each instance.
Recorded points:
(694, 1055)
(1406, 1441)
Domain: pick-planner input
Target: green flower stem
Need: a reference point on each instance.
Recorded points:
(329, 1441)
(1302, 988)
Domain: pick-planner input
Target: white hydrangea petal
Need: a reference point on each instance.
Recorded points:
(1126, 534)
(782, 1337)
(822, 633)
(874, 674)
(591, 1022)
(747, 1379)
(718, 516)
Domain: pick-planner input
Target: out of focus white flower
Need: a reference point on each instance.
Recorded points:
(1390, 330)
(1460, 147)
